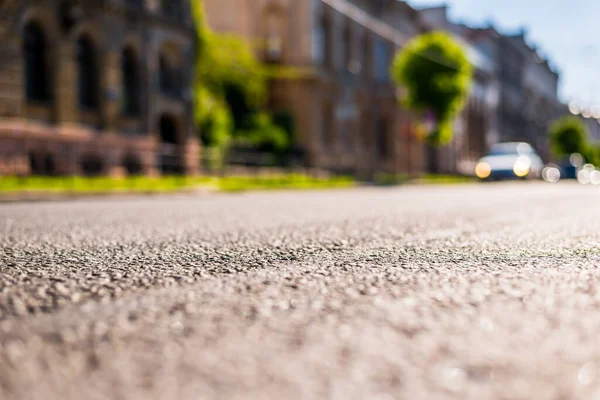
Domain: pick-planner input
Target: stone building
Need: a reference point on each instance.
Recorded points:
(343, 100)
(527, 89)
(96, 87)
(540, 93)
(593, 127)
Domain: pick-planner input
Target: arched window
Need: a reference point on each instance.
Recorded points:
(42, 163)
(168, 130)
(133, 164)
(168, 76)
(92, 164)
(37, 82)
(87, 74)
(131, 82)
(171, 159)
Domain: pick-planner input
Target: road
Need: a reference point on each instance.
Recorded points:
(459, 292)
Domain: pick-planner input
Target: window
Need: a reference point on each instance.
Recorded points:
(87, 74)
(322, 42)
(327, 127)
(131, 82)
(171, 160)
(365, 129)
(68, 13)
(168, 76)
(35, 52)
(382, 139)
(366, 57)
(164, 74)
(382, 61)
(319, 42)
(274, 35)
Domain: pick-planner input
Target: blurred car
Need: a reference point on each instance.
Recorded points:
(510, 161)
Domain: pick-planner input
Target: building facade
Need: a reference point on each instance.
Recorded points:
(590, 121)
(343, 100)
(345, 104)
(541, 105)
(97, 87)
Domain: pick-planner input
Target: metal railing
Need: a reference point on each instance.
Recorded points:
(167, 160)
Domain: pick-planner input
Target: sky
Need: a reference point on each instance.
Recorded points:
(567, 32)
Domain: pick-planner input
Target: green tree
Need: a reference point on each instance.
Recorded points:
(569, 135)
(225, 64)
(228, 62)
(216, 125)
(262, 133)
(230, 93)
(592, 154)
(435, 72)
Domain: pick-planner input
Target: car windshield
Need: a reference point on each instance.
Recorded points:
(515, 149)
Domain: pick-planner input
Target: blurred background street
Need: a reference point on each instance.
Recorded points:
(299, 199)
(358, 88)
(466, 292)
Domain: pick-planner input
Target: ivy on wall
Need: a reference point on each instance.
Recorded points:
(230, 93)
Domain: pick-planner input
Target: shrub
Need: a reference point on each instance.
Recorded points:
(569, 135)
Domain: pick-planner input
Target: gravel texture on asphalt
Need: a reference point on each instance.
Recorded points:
(462, 292)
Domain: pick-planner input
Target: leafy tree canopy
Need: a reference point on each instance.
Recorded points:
(231, 89)
(216, 120)
(225, 61)
(264, 134)
(569, 135)
(228, 61)
(437, 75)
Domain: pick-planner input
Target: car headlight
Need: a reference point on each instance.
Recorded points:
(483, 170)
(522, 167)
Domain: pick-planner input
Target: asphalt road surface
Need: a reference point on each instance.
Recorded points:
(460, 292)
